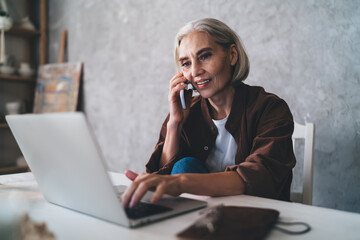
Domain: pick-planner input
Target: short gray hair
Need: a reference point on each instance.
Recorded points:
(222, 35)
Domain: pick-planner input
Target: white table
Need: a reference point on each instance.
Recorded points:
(20, 192)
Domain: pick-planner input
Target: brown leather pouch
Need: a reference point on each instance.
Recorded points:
(231, 222)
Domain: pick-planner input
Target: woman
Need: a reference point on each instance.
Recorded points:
(231, 139)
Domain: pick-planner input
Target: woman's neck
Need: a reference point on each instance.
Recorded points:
(220, 104)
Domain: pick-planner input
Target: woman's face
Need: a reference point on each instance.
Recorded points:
(205, 63)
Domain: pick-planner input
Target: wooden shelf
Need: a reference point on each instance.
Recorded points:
(17, 78)
(23, 32)
(15, 169)
(35, 51)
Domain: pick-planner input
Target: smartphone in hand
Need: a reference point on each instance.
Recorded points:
(182, 94)
(182, 98)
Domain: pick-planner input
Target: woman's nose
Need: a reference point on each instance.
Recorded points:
(196, 69)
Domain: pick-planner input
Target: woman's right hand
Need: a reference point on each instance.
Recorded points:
(177, 113)
(177, 117)
(141, 183)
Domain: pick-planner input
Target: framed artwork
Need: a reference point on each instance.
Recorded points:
(57, 88)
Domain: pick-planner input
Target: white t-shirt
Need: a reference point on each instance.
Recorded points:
(223, 154)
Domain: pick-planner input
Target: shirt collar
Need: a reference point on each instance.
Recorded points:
(236, 113)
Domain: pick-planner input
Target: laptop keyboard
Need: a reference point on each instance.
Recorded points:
(144, 210)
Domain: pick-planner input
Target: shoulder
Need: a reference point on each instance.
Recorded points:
(259, 102)
(257, 94)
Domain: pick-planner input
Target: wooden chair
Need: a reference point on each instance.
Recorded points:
(306, 132)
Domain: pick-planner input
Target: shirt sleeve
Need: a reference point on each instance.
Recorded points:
(268, 167)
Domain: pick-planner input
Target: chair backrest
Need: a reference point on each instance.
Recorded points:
(306, 132)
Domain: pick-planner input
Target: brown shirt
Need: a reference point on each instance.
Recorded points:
(261, 124)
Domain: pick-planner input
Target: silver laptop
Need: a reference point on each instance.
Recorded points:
(66, 161)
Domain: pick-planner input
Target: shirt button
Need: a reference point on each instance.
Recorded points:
(206, 148)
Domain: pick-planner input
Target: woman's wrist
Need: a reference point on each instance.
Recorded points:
(174, 125)
(182, 179)
(172, 142)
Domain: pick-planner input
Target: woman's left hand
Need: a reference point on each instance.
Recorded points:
(141, 183)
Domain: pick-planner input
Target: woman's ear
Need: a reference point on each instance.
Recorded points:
(234, 55)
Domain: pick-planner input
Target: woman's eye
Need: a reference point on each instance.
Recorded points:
(205, 56)
(185, 64)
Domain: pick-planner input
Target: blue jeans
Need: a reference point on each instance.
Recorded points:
(189, 165)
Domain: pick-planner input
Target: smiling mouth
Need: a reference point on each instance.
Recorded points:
(203, 82)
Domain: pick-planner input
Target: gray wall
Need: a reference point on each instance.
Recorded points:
(307, 52)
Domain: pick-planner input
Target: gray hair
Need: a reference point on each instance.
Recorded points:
(222, 35)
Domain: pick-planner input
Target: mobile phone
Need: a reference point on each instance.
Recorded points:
(182, 98)
(182, 93)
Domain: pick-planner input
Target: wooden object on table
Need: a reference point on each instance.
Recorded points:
(29, 229)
